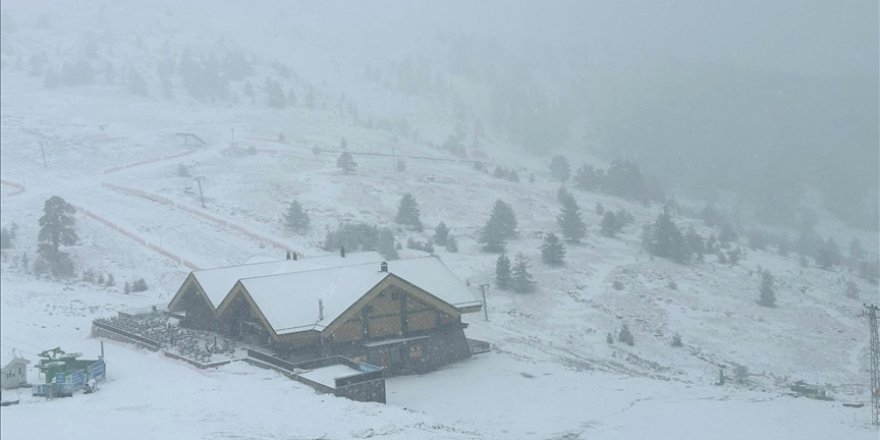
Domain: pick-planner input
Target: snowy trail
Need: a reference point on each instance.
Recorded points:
(178, 231)
(149, 161)
(18, 188)
(201, 214)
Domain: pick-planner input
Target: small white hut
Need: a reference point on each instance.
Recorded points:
(14, 373)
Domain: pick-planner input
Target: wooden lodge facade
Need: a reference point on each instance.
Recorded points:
(404, 316)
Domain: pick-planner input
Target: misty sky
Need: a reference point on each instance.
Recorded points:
(718, 95)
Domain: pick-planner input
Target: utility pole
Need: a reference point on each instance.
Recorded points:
(43, 151)
(871, 313)
(201, 196)
(485, 308)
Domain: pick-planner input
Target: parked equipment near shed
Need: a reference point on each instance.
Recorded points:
(65, 374)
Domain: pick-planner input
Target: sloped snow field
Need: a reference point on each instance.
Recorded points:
(550, 375)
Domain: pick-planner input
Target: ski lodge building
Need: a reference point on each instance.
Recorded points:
(404, 315)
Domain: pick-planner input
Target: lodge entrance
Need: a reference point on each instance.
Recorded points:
(401, 354)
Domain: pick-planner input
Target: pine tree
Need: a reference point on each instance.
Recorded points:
(571, 222)
(609, 224)
(56, 229)
(110, 281)
(500, 172)
(7, 235)
(492, 239)
(852, 290)
(562, 194)
(500, 227)
(502, 272)
(586, 178)
(513, 176)
(768, 294)
(408, 212)
(625, 336)
(451, 243)
(664, 239)
(559, 168)
(386, 246)
(346, 162)
(441, 233)
(694, 243)
(676, 340)
(127, 288)
(552, 251)
(139, 285)
(520, 278)
(296, 219)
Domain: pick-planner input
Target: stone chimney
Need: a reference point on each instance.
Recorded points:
(383, 266)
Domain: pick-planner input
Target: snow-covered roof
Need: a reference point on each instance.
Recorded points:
(8, 359)
(327, 375)
(430, 274)
(219, 281)
(290, 302)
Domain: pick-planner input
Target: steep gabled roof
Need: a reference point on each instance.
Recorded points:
(292, 302)
(217, 283)
(12, 360)
(431, 275)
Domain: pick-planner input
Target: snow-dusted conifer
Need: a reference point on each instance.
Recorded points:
(502, 272)
(570, 220)
(408, 212)
(296, 219)
(768, 292)
(520, 278)
(552, 250)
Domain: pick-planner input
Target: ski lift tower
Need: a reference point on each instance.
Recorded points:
(871, 313)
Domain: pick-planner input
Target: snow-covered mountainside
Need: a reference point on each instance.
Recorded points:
(76, 123)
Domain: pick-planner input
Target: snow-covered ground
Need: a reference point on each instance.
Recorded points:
(550, 374)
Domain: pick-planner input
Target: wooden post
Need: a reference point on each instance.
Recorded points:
(485, 309)
(201, 196)
(43, 152)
